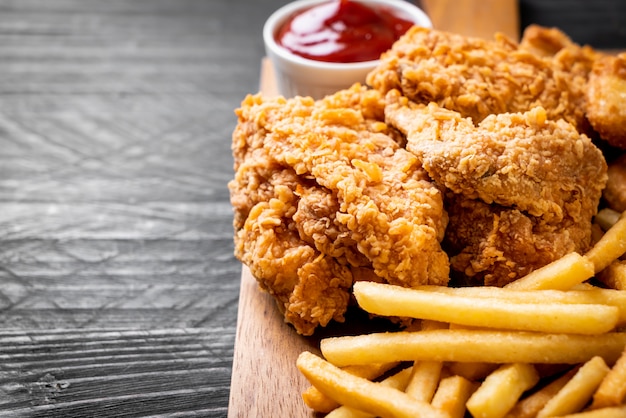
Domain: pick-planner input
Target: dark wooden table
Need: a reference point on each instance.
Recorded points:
(118, 287)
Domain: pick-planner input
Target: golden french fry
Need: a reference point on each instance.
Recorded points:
(614, 276)
(319, 402)
(583, 286)
(532, 404)
(397, 381)
(584, 293)
(612, 389)
(426, 374)
(571, 323)
(609, 412)
(430, 325)
(389, 300)
(561, 274)
(472, 370)
(501, 390)
(578, 391)
(451, 395)
(424, 380)
(610, 247)
(360, 393)
(472, 346)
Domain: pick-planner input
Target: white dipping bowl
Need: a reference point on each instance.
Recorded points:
(298, 76)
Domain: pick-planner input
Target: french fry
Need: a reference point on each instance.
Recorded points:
(424, 380)
(611, 246)
(549, 317)
(562, 274)
(472, 346)
(319, 402)
(612, 389)
(430, 325)
(584, 286)
(577, 391)
(426, 374)
(609, 412)
(451, 395)
(501, 390)
(530, 406)
(472, 370)
(397, 381)
(360, 393)
(389, 300)
(581, 294)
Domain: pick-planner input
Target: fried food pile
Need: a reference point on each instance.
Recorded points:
(478, 77)
(463, 157)
(324, 196)
(521, 189)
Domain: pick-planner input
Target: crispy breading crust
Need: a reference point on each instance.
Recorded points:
(324, 183)
(606, 97)
(478, 77)
(522, 160)
(522, 189)
(494, 245)
(351, 187)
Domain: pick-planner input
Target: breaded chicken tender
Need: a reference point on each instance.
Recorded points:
(494, 245)
(523, 188)
(606, 79)
(478, 77)
(521, 160)
(323, 194)
(606, 96)
(553, 43)
(267, 241)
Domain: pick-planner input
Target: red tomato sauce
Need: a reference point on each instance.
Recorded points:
(342, 31)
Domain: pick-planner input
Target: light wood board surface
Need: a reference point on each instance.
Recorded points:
(475, 17)
(265, 381)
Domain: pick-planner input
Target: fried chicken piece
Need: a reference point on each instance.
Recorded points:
(310, 288)
(554, 43)
(544, 42)
(615, 192)
(530, 180)
(606, 96)
(606, 79)
(478, 77)
(495, 245)
(324, 195)
(522, 160)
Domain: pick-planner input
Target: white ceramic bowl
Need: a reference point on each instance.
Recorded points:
(297, 76)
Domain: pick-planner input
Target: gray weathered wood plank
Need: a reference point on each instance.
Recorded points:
(118, 286)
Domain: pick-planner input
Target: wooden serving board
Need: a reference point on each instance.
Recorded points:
(265, 381)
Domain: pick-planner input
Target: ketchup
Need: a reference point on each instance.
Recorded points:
(342, 31)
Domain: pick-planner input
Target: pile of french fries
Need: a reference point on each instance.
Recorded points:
(547, 345)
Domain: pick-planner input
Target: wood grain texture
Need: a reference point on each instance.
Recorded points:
(73, 373)
(265, 379)
(475, 18)
(118, 286)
